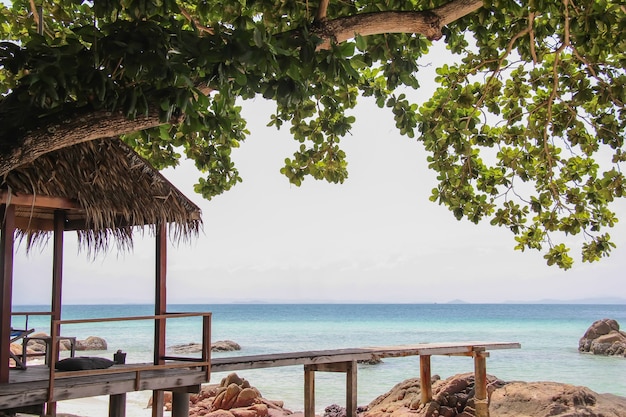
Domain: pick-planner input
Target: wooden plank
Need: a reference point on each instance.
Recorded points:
(331, 367)
(440, 348)
(288, 359)
(31, 200)
(426, 388)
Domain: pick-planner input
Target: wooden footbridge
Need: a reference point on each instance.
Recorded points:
(29, 390)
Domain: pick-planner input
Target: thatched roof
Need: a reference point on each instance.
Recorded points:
(105, 189)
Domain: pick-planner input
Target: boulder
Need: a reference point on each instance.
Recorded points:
(233, 397)
(225, 346)
(551, 399)
(604, 337)
(91, 343)
(39, 346)
(454, 397)
(219, 346)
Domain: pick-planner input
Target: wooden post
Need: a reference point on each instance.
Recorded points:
(206, 345)
(117, 405)
(57, 295)
(351, 389)
(309, 391)
(426, 388)
(480, 382)
(6, 287)
(160, 307)
(180, 404)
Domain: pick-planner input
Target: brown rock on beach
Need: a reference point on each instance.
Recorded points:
(604, 337)
(233, 397)
(454, 397)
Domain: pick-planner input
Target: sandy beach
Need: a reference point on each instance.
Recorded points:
(99, 406)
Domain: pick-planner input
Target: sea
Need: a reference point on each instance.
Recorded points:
(548, 334)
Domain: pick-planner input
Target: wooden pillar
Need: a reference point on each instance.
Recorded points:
(351, 389)
(426, 388)
(117, 405)
(480, 382)
(160, 307)
(309, 391)
(57, 295)
(57, 271)
(6, 286)
(180, 404)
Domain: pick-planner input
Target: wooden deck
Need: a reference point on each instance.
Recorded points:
(30, 387)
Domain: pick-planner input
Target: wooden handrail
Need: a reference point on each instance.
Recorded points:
(204, 361)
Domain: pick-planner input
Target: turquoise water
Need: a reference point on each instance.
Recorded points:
(549, 336)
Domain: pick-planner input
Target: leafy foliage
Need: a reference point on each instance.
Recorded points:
(526, 131)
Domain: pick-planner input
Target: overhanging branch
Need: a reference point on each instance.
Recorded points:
(426, 22)
(86, 124)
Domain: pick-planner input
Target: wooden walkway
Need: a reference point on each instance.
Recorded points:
(30, 386)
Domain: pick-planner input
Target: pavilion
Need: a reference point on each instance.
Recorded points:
(104, 191)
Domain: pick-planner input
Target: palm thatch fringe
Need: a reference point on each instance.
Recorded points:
(115, 191)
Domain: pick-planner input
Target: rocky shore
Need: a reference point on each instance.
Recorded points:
(452, 397)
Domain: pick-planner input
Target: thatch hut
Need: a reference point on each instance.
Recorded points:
(104, 191)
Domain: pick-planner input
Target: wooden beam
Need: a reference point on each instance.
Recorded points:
(6, 286)
(480, 383)
(31, 200)
(426, 387)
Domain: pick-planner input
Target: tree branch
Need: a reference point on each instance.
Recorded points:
(84, 125)
(321, 11)
(426, 22)
(88, 124)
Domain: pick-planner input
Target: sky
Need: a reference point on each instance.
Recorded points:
(375, 238)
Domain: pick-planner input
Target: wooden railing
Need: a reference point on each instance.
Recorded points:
(203, 361)
(31, 313)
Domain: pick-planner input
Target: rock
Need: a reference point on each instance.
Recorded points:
(454, 397)
(233, 397)
(543, 399)
(91, 343)
(374, 360)
(39, 346)
(604, 337)
(334, 410)
(219, 346)
(225, 346)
